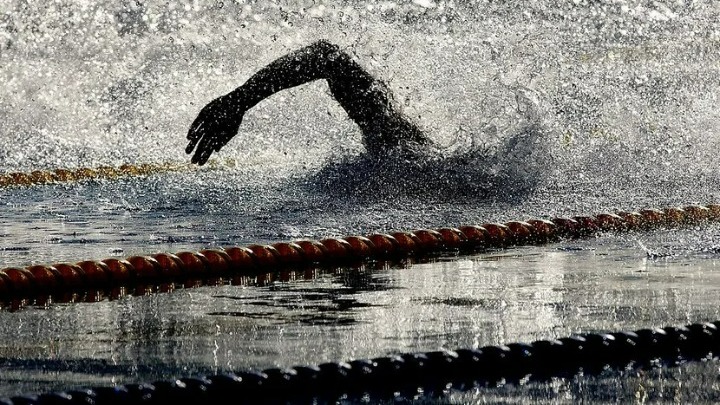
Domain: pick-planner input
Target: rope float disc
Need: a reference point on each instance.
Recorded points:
(414, 375)
(227, 263)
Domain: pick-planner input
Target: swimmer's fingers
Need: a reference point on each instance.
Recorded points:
(203, 157)
(191, 146)
(195, 134)
(205, 148)
(195, 131)
(202, 153)
(211, 130)
(203, 124)
(209, 144)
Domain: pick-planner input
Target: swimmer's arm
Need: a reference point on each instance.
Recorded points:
(304, 65)
(220, 120)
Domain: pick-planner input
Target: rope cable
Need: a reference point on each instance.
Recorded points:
(226, 263)
(44, 177)
(417, 375)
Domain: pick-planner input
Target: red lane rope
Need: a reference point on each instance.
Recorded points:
(229, 263)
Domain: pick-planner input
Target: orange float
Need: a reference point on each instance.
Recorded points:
(633, 220)
(544, 230)
(566, 227)
(85, 173)
(289, 253)
(97, 274)
(430, 241)
(129, 170)
(453, 238)
(5, 287)
(609, 222)
(108, 171)
(405, 243)
(41, 177)
(498, 235)
(121, 271)
(242, 259)
(21, 281)
(195, 264)
(72, 275)
(313, 251)
(171, 264)
(47, 279)
(651, 218)
(337, 250)
(386, 246)
(361, 247)
(64, 175)
(697, 214)
(266, 256)
(20, 179)
(476, 236)
(520, 232)
(586, 225)
(675, 216)
(218, 261)
(147, 269)
(713, 211)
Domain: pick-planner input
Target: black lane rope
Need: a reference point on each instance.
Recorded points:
(17, 283)
(415, 375)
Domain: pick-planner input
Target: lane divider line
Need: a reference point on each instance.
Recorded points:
(226, 263)
(412, 376)
(44, 177)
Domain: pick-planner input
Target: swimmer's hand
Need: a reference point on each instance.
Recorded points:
(217, 123)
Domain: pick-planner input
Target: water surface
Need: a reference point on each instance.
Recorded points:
(544, 109)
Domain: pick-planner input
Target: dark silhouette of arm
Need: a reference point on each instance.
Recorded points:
(366, 100)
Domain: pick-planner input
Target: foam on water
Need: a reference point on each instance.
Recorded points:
(540, 108)
(627, 89)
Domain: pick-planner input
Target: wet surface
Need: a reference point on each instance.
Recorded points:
(543, 109)
(314, 316)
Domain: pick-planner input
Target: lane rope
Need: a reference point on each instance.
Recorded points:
(45, 177)
(259, 279)
(417, 375)
(227, 263)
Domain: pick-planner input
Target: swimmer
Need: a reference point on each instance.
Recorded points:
(367, 101)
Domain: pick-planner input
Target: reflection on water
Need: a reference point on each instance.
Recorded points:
(313, 304)
(516, 295)
(689, 383)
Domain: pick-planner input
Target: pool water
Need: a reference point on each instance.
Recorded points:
(311, 316)
(543, 109)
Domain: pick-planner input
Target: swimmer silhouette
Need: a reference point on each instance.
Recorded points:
(367, 101)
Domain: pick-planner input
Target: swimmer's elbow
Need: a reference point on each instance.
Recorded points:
(324, 46)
